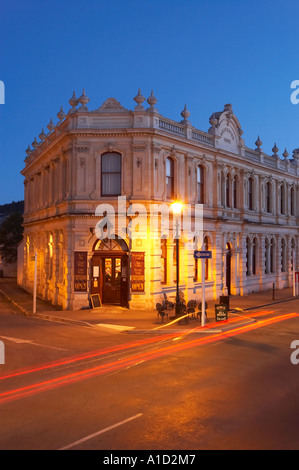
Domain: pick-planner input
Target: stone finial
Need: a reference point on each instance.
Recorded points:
(152, 100)
(51, 125)
(35, 143)
(185, 114)
(83, 100)
(258, 144)
(139, 99)
(296, 154)
(285, 154)
(42, 135)
(28, 150)
(275, 150)
(213, 120)
(229, 108)
(73, 102)
(61, 115)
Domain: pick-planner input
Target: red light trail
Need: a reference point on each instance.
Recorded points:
(123, 363)
(119, 348)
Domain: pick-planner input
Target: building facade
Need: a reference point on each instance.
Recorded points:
(91, 157)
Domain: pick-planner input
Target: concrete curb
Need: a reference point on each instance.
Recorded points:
(22, 309)
(62, 320)
(267, 305)
(135, 331)
(178, 332)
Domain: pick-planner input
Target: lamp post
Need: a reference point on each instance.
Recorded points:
(177, 208)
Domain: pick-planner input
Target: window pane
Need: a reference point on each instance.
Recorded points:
(235, 194)
(207, 264)
(111, 162)
(268, 189)
(169, 187)
(200, 184)
(169, 167)
(164, 261)
(199, 174)
(117, 273)
(227, 192)
(254, 247)
(250, 195)
(111, 184)
(200, 193)
(292, 201)
(108, 270)
(272, 256)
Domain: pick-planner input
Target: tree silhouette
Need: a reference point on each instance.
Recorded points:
(11, 233)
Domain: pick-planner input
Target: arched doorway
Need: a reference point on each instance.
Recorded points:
(109, 271)
(228, 256)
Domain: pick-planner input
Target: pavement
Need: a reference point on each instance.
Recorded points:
(119, 319)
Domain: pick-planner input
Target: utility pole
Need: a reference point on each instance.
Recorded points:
(34, 284)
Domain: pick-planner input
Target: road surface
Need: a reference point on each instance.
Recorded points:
(71, 387)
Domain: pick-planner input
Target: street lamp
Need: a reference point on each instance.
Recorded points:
(176, 209)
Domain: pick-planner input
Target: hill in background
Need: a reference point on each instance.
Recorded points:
(12, 207)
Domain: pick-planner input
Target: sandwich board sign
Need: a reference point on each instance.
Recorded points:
(220, 312)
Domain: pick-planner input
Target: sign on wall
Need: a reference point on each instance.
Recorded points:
(202, 254)
(80, 271)
(137, 271)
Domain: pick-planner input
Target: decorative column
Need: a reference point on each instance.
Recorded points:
(157, 169)
(243, 277)
(141, 176)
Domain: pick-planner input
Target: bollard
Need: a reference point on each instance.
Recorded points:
(273, 292)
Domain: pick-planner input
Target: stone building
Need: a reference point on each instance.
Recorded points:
(250, 206)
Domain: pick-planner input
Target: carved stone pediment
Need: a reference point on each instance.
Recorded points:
(111, 105)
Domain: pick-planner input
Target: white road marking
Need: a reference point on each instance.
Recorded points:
(106, 326)
(20, 341)
(109, 428)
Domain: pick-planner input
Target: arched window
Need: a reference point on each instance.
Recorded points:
(235, 193)
(207, 264)
(267, 256)
(250, 194)
(248, 255)
(111, 174)
(282, 199)
(27, 252)
(174, 260)
(268, 197)
(292, 196)
(196, 260)
(164, 260)
(254, 250)
(227, 191)
(169, 178)
(222, 189)
(50, 256)
(283, 256)
(200, 184)
(293, 253)
(61, 257)
(114, 243)
(272, 256)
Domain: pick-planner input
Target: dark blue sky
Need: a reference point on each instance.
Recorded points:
(202, 53)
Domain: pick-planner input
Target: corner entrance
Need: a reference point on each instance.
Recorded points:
(109, 276)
